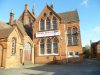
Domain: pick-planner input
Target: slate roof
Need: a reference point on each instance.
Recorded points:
(69, 16)
(3, 25)
(21, 28)
(94, 44)
(33, 16)
(5, 30)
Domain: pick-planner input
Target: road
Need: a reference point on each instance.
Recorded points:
(88, 67)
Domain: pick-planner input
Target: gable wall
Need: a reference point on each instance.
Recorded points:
(61, 39)
(13, 60)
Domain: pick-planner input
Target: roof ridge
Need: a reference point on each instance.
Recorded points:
(67, 12)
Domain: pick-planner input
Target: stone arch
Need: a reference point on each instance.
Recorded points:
(27, 51)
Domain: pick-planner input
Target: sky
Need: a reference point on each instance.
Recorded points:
(88, 11)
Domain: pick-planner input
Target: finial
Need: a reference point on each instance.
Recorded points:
(26, 6)
(33, 10)
(33, 6)
(51, 5)
(12, 11)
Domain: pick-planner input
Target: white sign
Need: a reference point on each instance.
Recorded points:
(48, 33)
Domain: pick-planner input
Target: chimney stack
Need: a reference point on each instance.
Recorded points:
(51, 5)
(11, 17)
(33, 11)
(26, 6)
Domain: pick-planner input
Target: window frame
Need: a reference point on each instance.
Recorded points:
(48, 46)
(47, 24)
(41, 25)
(43, 49)
(75, 40)
(70, 55)
(69, 37)
(54, 23)
(14, 42)
(53, 44)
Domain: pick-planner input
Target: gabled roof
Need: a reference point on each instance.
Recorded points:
(33, 16)
(5, 30)
(69, 16)
(50, 10)
(3, 25)
(95, 43)
(53, 11)
(21, 28)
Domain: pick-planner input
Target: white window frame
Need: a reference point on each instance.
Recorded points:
(69, 56)
(48, 22)
(40, 25)
(45, 51)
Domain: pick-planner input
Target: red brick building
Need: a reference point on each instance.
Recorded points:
(56, 36)
(95, 49)
(50, 38)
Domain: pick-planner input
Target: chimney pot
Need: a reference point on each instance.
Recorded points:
(26, 6)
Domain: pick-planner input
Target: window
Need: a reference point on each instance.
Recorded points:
(54, 23)
(55, 46)
(48, 45)
(69, 40)
(69, 31)
(74, 30)
(41, 25)
(70, 53)
(42, 46)
(13, 46)
(75, 41)
(48, 24)
(50, 13)
(76, 53)
(28, 20)
(27, 46)
(44, 14)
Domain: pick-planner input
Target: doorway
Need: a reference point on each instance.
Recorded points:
(21, 55)
(1, 55)
(27, 52)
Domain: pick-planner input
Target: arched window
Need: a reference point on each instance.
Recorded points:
(69, 40)
(75, 41)
(28, 47)
(13, 46)
(48, 24)
(69, 31)
(48, 45)
(54, 23)
(74, 30)
(42, 46)
(55, 46)
(41, 25)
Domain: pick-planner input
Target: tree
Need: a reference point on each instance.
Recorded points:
(86, 51)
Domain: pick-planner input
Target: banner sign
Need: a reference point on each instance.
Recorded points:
(48, 33)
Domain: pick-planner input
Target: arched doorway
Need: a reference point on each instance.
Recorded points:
(1, 53)
(27, 52)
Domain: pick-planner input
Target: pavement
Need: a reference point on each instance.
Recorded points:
(87, 67)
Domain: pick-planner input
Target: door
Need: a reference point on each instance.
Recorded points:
(27, 52)
(1, 55)
(21, 55)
